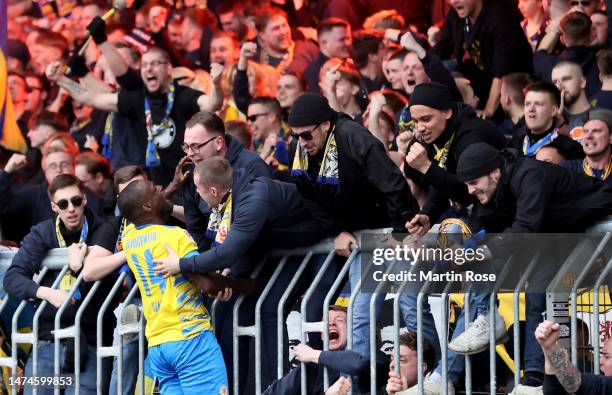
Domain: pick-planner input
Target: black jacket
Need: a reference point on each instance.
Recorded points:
(372, 192)
(443, 184)
(496, 42)
(345, 361)
(27, 262)
(586, 57)
(266, 214)
(25, 206)
(534, 196)
(196, 209)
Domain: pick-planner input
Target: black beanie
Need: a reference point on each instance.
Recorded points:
(432, 94)
(478, 160)
(310, 109)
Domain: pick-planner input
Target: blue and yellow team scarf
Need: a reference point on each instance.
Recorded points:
(69, 279)
(328, 174)
(152, 156)
(107, 137)
(219, 222)
(589, 172)
(532, 149)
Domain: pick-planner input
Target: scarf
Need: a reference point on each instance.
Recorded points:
(152, 156)
(442, 153)
(219, 222)
(589, 171)
(69, 279)
(328, 173)
(107, 138)
(531, 149)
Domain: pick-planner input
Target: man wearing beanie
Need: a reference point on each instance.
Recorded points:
(348, 182)
(596, 142)
(444, 129)
(518, 194)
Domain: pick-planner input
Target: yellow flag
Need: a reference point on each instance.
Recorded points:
(10, 135)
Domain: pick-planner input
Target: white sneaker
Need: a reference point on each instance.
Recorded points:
(476, 338)
(525, 390)
(430, 387)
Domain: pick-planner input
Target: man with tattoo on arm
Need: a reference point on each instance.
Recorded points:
(561, 375)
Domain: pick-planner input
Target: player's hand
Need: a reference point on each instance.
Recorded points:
(169, 265)
(225, 295)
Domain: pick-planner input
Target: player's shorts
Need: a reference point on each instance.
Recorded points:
(193, 366)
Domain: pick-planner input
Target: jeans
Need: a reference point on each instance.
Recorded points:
(361, 311)
(130, 367)
(87, 376)
(314, 308)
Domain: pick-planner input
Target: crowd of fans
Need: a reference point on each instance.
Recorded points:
(272, 124)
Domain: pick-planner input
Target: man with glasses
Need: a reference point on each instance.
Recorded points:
(204, 138)
(250, 216)
(26, 206)
(74, 226)
(161, 108)
(348, 182)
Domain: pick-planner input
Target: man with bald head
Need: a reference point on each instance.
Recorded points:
(183, 353)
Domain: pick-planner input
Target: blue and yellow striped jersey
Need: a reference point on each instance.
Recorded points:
(174, 308)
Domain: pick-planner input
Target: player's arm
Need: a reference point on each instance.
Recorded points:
(100, 262)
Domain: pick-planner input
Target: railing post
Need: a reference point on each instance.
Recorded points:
(492, 310)
(280, 313)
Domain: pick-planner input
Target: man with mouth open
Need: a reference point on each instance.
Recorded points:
(161, 108)
(337, 360)
(596, 143)
(519, 195)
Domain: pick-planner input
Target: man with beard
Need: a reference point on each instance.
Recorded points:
(161, 108)
(541, 109)
(518, 195)
(568, 77)
(183, 353)
(596, 143)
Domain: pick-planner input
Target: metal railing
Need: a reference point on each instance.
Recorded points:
(585, 260)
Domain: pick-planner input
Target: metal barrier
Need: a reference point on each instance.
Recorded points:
(590, 279)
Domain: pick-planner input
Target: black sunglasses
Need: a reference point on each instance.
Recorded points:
(76, 201)
(584, 3)
(196, 147)
(306, 136)
(253, 118)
